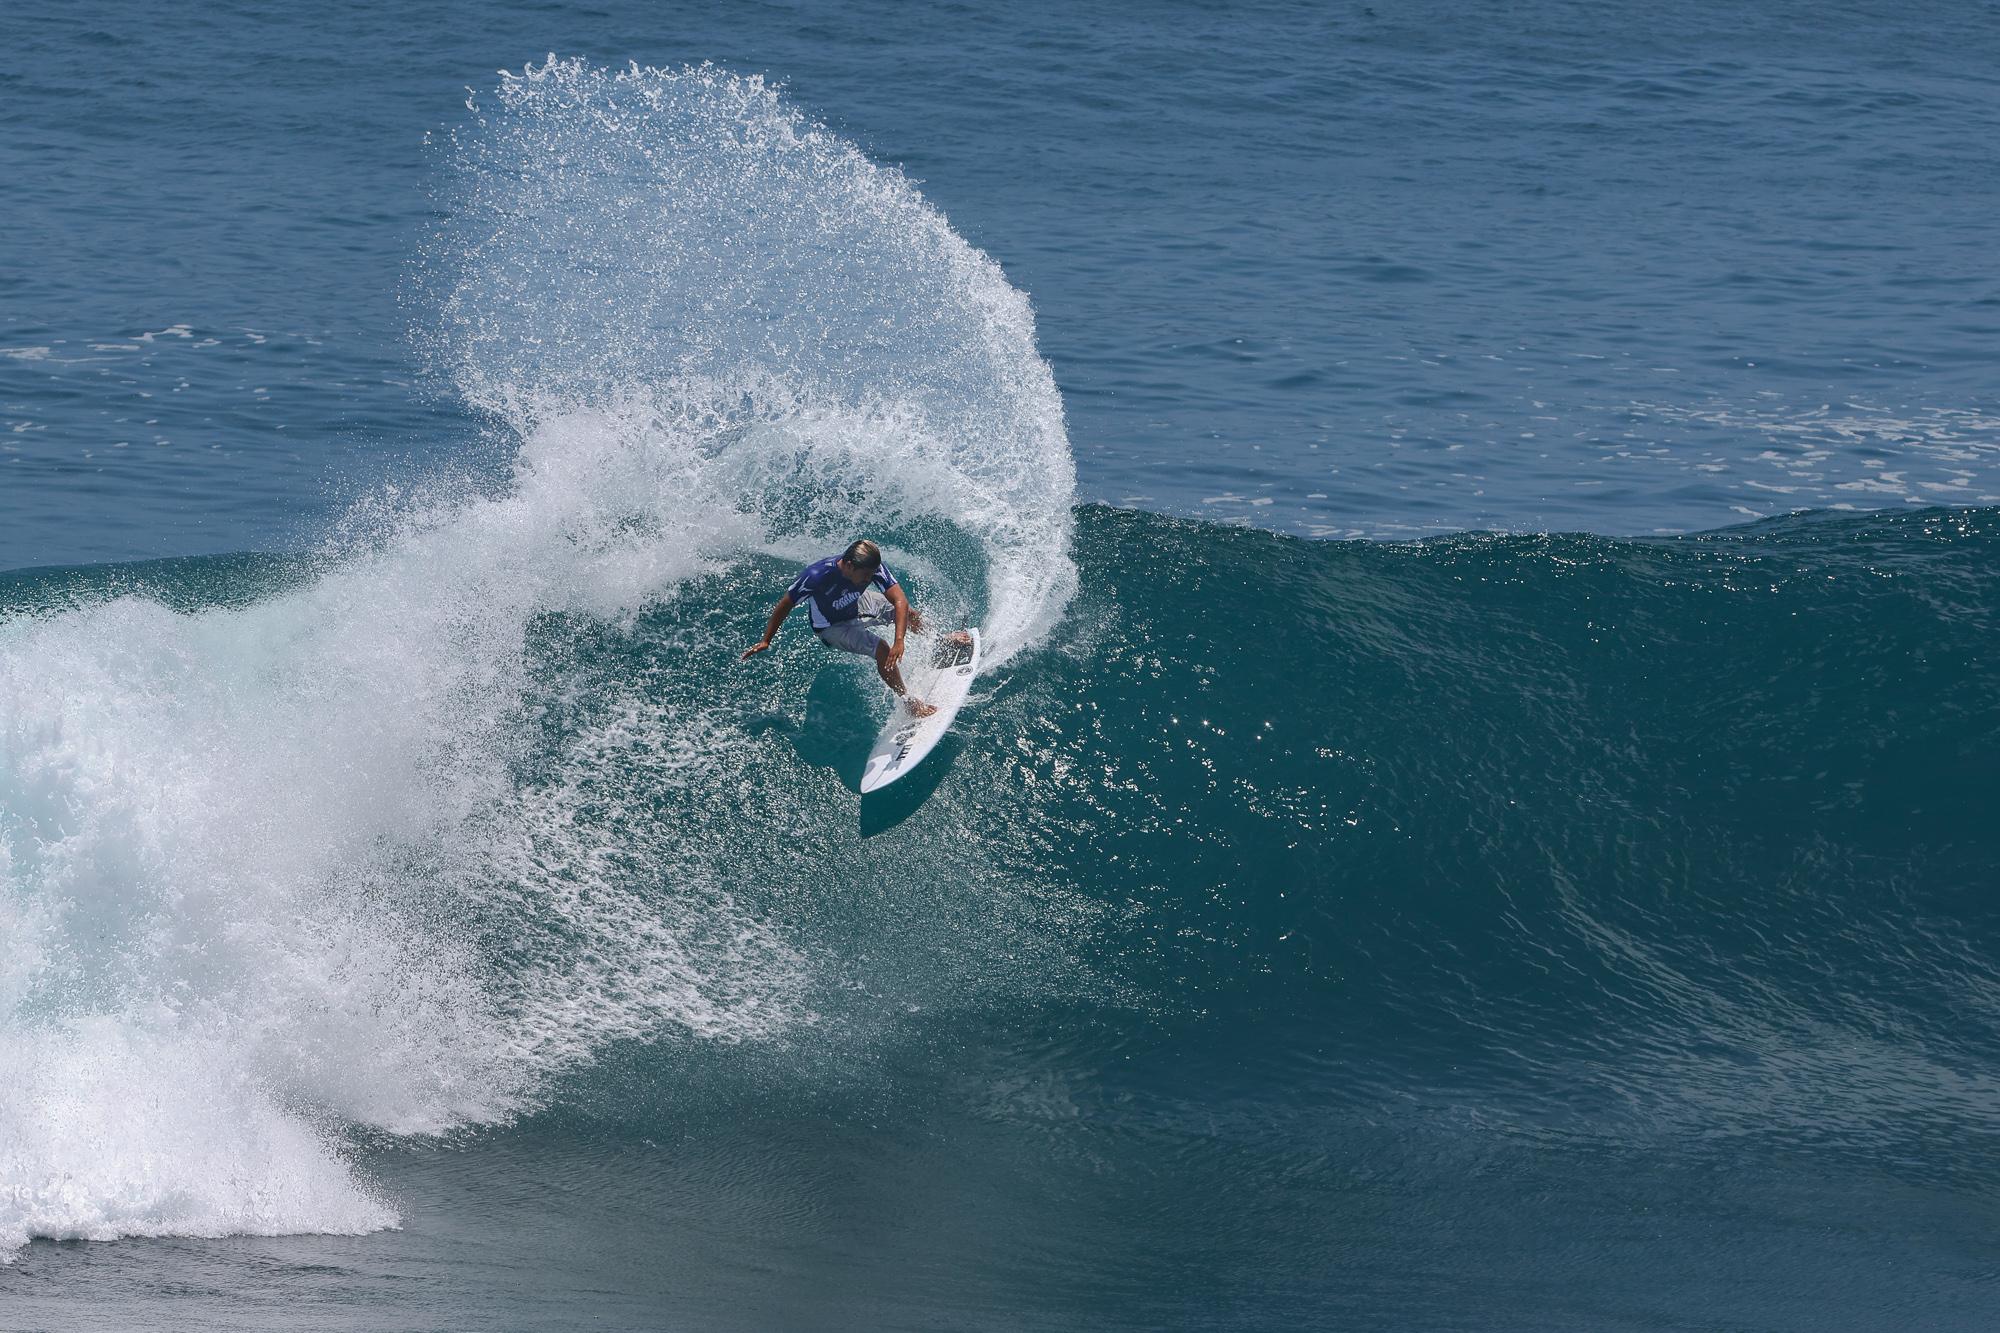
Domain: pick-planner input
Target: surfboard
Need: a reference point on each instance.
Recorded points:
(943, 681)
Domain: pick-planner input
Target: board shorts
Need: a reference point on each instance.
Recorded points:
(853, 636)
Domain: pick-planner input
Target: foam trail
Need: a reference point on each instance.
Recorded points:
(272, 871)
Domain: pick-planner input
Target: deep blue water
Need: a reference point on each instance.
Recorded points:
(413, 917)
(1343, 269)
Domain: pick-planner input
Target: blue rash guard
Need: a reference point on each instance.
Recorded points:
(834, 600)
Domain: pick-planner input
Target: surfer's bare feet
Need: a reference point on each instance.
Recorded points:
(917, 707)
(960, 638)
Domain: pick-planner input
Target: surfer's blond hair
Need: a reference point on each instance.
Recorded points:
(864, 554)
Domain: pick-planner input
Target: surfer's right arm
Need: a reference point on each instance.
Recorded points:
(778, 614)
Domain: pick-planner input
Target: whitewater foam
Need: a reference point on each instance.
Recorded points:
(265, 845)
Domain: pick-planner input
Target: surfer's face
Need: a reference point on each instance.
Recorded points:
(854, 573)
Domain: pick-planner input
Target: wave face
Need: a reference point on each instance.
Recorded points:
(1676, 841)
(291, 850)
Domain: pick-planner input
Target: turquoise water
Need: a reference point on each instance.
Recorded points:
(412, 915)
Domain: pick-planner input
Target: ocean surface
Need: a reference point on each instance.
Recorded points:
(1481, 815)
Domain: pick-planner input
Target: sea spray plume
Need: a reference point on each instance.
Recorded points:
(683, 242)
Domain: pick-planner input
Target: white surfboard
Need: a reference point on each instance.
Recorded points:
(942, 680)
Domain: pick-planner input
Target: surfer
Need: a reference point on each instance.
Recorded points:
(848, 592)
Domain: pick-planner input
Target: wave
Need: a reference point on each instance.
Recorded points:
(1680, 838)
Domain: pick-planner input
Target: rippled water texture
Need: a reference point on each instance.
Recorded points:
(1328, 269)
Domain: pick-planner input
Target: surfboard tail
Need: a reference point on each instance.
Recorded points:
(904, 741)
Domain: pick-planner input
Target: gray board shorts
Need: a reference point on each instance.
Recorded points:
(853, 636)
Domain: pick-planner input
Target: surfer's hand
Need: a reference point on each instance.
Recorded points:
(895, 653)
(755, 648)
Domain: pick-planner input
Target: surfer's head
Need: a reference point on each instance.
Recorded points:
(861, 561)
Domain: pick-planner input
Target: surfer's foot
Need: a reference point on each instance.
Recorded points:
(917, 707)
(960, 639)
